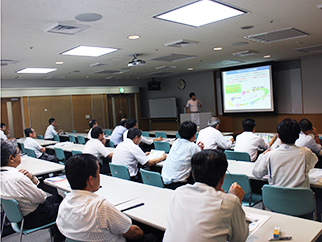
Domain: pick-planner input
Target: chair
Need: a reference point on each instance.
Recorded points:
(145, 134)
(75, 152)
(162, 134)
(290, 201)
(178, 135)
(73, 131)
(23, 148)
(39, 136)
(72, 138)
(107, 132)
(81, 139)
(250, 198)
(60, 155)
(151, 178)
(120, 171)
(30, 153)
(110, 144)
(236, 155)
(161, 145)
(56, 137)
(14, 214)
(197, 134)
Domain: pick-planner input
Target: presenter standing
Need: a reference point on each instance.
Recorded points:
(193, 104)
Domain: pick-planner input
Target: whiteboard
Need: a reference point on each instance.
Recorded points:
(163, 108)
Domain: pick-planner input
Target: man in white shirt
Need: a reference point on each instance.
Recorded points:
(212, 138)
(92, 124)
(50, 131)
(128, 153)
(96, 147)
(306, 140)
(250, 142)
(32, 144)
(21, 185)
(193, 104)
(203, 212)
(85, 216)
(117, 134)
(3, 136)
(287, 165)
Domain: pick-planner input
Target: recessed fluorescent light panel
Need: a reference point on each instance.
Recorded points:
(200, 13)
(91, 51)
(37, 70)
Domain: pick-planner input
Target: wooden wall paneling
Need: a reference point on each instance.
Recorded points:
(120, 107)
(98, 113)
(106, 121)
(82, 105)
(4, 111)
(110, 112)
(26, 119)
(131, 103)
(166, 124)
(62, 112)
(17, 118)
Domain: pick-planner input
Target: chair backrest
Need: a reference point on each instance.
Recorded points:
(72, 240)
(291, 201)
(107, 132)
(73, 131)
(237, 155)
(12, 210)
(30, 152)
(241, 179)
(197, 134)
(23, 148)
(110, 144)
(72, 138)
(178, 135)
(161, 145)
(162, 134)
(120, 171)
(151, 178)
(75, 152)
(145, 134)
(81, 139)
(56, 137)
(60, 153)
(39, 136)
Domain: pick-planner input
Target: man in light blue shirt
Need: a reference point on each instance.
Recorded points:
(177, 167)
(117, 134)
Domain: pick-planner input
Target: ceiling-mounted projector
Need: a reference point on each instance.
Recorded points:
(136, 61)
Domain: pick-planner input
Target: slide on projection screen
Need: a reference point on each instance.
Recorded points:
(248, 90)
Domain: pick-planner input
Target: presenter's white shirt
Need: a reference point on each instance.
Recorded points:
(129, 154)
(3, 136)
(250, 143)
(193, 105)
(32, 144)
(50, 131)
(96, 148)
(308, 142)
(213, 138)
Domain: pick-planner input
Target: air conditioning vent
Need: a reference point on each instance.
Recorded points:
(181, 43)
(106, 72)
(5, 62)
(173, 57)
(310, 49)
(160, 73)
(66, 28)
(245, 53)
(165, 67)
(55, 77)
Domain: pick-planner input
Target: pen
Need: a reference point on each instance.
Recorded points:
(135, 206)
(280, 238)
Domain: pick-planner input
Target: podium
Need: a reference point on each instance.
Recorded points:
(201, 119)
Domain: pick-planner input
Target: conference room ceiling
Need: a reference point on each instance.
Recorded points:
(25, 43)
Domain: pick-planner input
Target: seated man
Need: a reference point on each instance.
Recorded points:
(250, 142)
(128, 153)
(3, 136)
(37, 209)
(92, 124)
(32, 144)
(117, 134)
(202, 211)
(85, 216)
(50, 131)
(177, 167)
(96, 147)
(287, 165)
(306, 140)
(212, 138)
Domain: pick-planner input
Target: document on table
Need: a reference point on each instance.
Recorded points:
(60, 182)
(62, 144)
(155, 154)
(315, 175)
(257, 221)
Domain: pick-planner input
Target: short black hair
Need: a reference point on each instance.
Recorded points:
(28, 131)
(305, 125)
(123, 121)
(134, 132)
(2, 124)
(92, 123)
(8, 148)
(192, 94)
(187, 130)
(248, 124)
(130, 123)
(208, 166)
(78, 168)
(51, 120)
(96, 131)
(288, 130)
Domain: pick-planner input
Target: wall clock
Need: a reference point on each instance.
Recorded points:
(181, 84)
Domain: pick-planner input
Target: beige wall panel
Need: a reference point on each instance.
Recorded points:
(82, 105)
(26, 111)
(17, 118)
(61, 111)
(98, 109)
(106, 116)
(4, 112)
